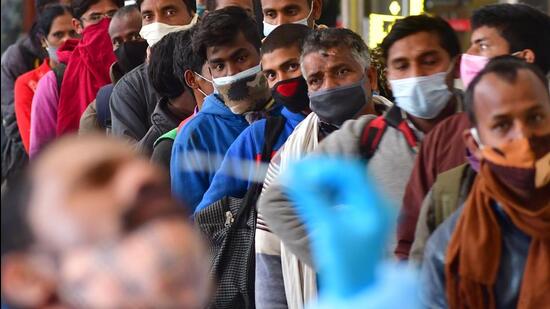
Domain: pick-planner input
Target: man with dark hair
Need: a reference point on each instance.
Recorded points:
(493, 251)
(192, 71)
(282, 47)
(134, 99)
(279, 12)
(335, 64)
(228, 39)
(177, 102)
(498, 29)
(419, 55)
(238, 172)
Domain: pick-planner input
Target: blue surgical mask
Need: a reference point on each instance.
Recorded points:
(52, 53)
(268, 28)
(423, 97)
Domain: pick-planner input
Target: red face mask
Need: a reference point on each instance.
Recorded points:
(292, 93)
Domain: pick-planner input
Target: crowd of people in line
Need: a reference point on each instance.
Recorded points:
(173, 154)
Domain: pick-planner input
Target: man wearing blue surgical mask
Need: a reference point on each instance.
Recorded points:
(279, 12)
(335, 64)
(228, 39)
(419, 51)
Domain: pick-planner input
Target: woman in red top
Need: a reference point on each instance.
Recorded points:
(54, 26)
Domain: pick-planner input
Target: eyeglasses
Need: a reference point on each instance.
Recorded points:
(96, 17)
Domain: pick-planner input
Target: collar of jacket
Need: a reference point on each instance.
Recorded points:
(297, 117)
(214, 106)
(163, 118)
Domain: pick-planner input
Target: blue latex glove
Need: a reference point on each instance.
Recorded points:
(349, 223)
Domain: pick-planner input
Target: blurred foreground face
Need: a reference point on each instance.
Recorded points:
(171, 271)
(83, 187)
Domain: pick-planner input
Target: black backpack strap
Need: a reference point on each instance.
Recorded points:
(102, 106)
(273, 128)
(59, 71)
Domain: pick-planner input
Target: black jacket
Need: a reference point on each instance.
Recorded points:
(162, 121)
(132, 103)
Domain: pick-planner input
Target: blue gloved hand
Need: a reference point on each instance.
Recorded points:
(347, 218)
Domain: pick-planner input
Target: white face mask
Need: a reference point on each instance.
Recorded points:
(475, 135)
(423, 97)
(154, 32)
(221, 81)
(268, 28)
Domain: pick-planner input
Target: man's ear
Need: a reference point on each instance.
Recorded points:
(317, 9)
(190, 80)
(527, 54)
(77, 24)
(453, 72)
(471, 144)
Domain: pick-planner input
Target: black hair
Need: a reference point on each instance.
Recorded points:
(126, 10)
(46, 18)
(285, 36)
(506, 68)
(323, 39)
(40, 5)
(422, 23)
(189, 4)
(79, 7)
(184, 57)
(221, 27)
(521, 25)
(160, 68)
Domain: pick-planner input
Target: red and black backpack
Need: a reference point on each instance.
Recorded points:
(374, 131)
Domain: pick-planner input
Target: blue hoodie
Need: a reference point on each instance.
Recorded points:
(237, 169)
(199, 148)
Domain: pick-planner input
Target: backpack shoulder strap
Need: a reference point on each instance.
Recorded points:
(446, 191)
(59, 71)
(273, 128)
(372, 134)
(394, 119)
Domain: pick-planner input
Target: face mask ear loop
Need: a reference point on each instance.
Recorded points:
(206, 79)
(475, 135)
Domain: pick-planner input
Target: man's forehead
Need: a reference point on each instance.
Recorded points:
(484, 32)
(320, 57)
(414, 45)
(495, 92)
(278, 4)
(281, 55)
(150, 4)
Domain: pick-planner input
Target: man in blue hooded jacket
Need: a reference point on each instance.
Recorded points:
(228, 39)
(281, 67)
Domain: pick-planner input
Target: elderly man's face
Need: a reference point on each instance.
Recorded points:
(332, 68)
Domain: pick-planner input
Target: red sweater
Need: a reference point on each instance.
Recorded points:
(24, 89)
